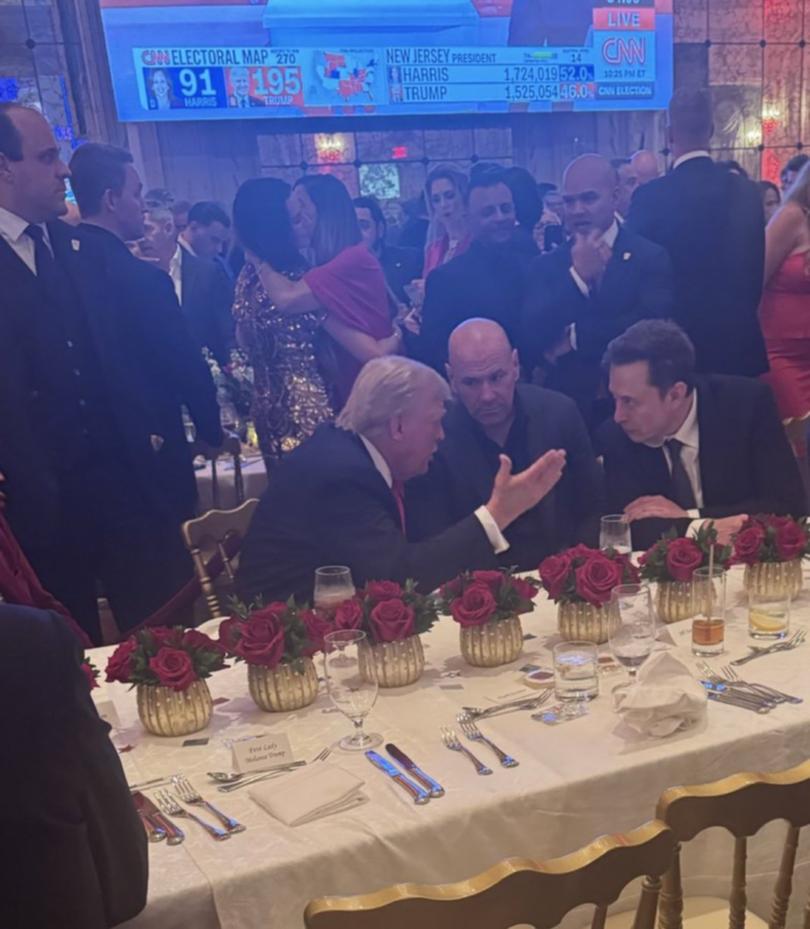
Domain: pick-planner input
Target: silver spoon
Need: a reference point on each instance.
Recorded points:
(231, 777)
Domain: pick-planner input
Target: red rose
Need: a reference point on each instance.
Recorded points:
(317, 626)
(474, 607)
(596, 578)
(490, 579)
(383, 590)
(747, 545)
(90, 674)
(163, 635)
(791, 541)
(349, 615)
(451, 589)
(391, 621)
(526, 590)
(683, 557)
(119, 666)
(262, 639)
(193, 638)
(229, 632)
(173, 668)
(554, 573)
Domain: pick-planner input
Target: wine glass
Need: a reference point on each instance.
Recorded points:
(614, 532)
(632, 635)
(351, 690)
(333, 586)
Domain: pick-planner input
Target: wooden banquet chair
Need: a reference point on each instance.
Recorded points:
(217, 533)
(516, 891)
(232, 446)
(742, 804)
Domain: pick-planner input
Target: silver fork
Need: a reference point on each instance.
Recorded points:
(785, 646)
(322, 755)
(188, 794)
(452, 741)
(778, 695)
(170, 807)
(474, 734)
(727, 690)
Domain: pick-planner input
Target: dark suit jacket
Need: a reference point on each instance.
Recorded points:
(76, 851)
(637, 285)
(328, 504)
(746, 465)
(401, 266)
(206, 299)
(461, 477)
(484, 281)
(32, 487)
(710, 221)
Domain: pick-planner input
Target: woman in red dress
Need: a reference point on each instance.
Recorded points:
(785, 309)
(448, 236)
(347, 282)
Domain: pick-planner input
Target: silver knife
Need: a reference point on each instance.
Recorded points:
(434, 787)
(419, 794)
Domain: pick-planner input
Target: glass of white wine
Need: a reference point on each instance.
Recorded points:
(354, 693)
(333, 586)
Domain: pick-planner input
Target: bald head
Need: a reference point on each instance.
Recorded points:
(646, 166)
(483, 370)
(590, 194)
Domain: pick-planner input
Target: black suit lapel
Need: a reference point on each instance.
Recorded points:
(614, 287)
(19, 282)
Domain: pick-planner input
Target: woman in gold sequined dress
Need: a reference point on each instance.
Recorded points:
(290, 396)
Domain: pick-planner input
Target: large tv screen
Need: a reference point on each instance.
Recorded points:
(237, 59)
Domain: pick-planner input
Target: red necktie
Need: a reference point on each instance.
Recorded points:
(398, 490)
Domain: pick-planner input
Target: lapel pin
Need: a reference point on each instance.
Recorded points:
(75, 244)
(626, 256)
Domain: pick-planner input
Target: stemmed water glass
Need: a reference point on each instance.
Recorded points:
(632, 631)
(333, 586)
(353, 689)
(614, 532)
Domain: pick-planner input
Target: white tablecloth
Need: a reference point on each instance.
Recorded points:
(254, 478)
(575, 781)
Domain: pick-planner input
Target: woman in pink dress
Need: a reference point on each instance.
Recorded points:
(785, 309)
(448, 236)
(347, 282)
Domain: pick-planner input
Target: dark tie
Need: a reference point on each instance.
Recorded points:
(398, 490)
(682, 492)
(43, 258)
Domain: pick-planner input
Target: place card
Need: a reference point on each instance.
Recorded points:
(265, 751)
(107, 711)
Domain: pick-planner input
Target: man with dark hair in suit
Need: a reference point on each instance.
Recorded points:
(80, 432)
(710, 220)
(494, 415)
(400, 265)
(683, 448)
(588, 291)
(488, 280)
(76, 851)
(338, 498)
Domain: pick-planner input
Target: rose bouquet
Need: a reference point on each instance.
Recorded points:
(581, 581)
(672, 561)
(275, 643)
(772, 549)
(393, 616)
(487, 606)
(169, 667)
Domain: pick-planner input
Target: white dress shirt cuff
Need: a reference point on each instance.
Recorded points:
(494, 534)
(581, 285)
(695, 526)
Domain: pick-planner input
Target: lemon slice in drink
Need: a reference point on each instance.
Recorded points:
(766, 622)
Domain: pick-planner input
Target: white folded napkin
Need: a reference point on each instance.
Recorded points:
(308, 795)
(664, 699)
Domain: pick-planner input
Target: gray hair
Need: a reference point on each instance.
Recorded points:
(385, 388)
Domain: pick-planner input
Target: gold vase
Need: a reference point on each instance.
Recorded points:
(393, 664)
(675, 600)
(168, 712)
(286, 687)
(584, 622)
(493, 644)
(774, 578)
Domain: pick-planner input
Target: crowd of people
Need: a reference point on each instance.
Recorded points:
(525, 358)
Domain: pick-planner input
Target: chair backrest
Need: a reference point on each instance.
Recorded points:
(232, 446)
(218, 532)
(742, 804)
(516, 891)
